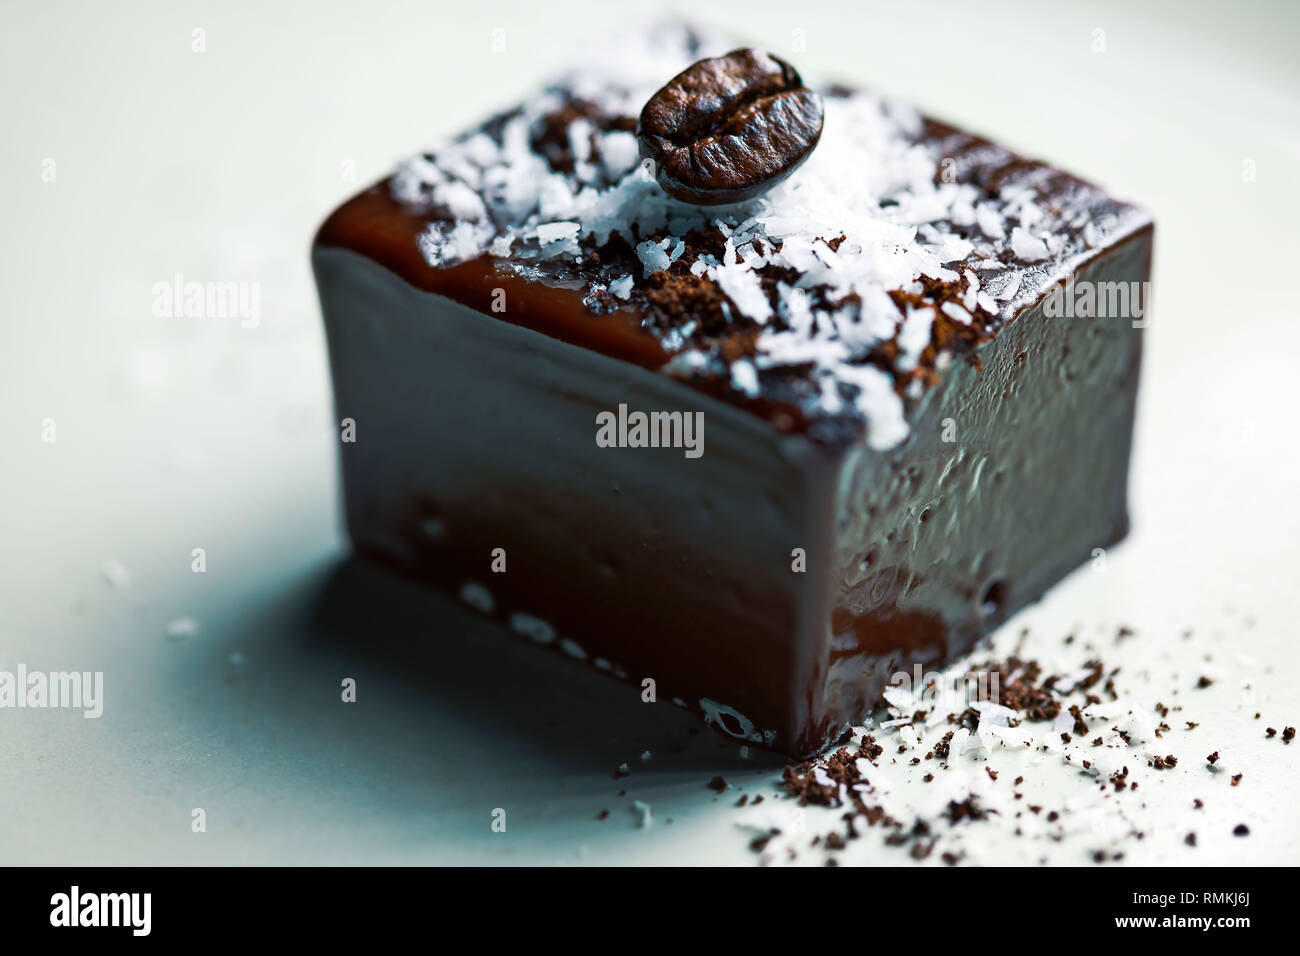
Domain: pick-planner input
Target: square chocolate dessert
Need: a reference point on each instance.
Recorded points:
(759, 391)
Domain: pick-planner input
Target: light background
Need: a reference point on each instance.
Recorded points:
(174, 434)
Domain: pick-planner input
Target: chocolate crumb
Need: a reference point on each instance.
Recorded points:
(968, 809)
(1236, 778)
(1270, 731)
(718, 784)
(1080, 727)
(833, 779)
(1241, 830)
(1204, 682)
(1288, 734)
(602, 815)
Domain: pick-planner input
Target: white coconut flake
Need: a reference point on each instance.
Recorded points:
(1027, 246)
(745, 378)
(914, 337)
(1009, 288)
(990, 221)
(653, 256)
(557, 231)
(621, 287)
(743, 287)
(477, 597)
(865, 216)
(533, 628)
(956, 312)
(644, 817)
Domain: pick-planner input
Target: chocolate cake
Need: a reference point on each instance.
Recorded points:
(763, 453)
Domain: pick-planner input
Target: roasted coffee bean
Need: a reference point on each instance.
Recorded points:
(729, 128)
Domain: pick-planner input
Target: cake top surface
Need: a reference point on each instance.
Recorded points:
(844, 292)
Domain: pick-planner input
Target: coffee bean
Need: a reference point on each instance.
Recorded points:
(729, 128)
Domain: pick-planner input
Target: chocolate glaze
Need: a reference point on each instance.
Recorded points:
(377, 226)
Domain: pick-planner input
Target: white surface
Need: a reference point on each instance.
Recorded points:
(181, 433)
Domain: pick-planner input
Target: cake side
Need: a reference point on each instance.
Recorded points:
(473, 468)
(1015, 474)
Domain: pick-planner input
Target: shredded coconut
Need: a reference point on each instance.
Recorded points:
(866, 217)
